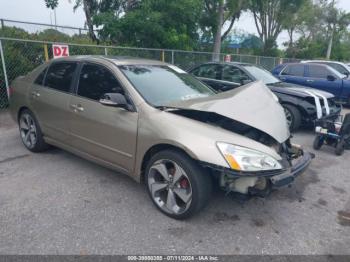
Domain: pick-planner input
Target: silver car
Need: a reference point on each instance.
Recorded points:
(161, 126)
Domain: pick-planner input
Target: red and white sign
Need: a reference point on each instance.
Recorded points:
(227, 58)
(60, 51)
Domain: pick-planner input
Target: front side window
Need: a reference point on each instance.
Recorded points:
(96, 80)
(233, 74)
(341, 69)
(162, 85)
(60, 76)
(318, 71)
(261, 74)
(294, 70)
(208, 71)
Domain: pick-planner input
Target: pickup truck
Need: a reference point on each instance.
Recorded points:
(318, 76)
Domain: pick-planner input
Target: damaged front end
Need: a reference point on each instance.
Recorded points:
(261, 183)
(253, 113)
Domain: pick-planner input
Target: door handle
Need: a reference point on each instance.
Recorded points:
(310, 81)
(35, 94)
(77, 108)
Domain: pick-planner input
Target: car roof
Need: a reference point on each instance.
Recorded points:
(228, 63)
(322, 61)
(117, 60)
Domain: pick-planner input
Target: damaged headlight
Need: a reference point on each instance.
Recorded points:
(245, 159)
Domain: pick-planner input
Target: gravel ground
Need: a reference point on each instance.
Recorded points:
(57, 203)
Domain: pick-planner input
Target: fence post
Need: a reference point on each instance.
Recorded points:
(172, 57)
(46, 53)
(106, 51)
(2, 24)
(4, 70)
(162, 56)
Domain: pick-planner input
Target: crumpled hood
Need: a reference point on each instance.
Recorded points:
(253, 104)
(297, 90)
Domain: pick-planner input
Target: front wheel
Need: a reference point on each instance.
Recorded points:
(177, 185)
(293, 117)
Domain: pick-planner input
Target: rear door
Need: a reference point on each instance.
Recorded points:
(316, 77)
(103, 132)
(293, 73)
(49, 99)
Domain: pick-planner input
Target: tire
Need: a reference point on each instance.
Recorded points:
(339, 149)
(318, 142)
(171, 174)
(31, 133)
(293, 116)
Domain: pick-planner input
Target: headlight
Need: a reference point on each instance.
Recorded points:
(245, 159)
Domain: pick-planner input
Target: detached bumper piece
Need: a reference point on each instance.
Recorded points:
(297, 169)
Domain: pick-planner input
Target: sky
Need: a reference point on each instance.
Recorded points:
(36, 11)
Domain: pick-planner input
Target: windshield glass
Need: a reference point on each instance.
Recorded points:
(161, 85)
(261, 74)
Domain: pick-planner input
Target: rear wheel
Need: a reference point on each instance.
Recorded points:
(293, 117)
(177, 185)
(339, 149)
(30, 132)
(318, 142)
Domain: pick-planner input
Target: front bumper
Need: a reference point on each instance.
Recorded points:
(261, 183)
(297, 169)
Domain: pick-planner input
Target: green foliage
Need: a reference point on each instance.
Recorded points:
(52, 4)
(153, 23)
(271, 17)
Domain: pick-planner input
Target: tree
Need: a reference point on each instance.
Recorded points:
(52, 4)
(216, 15)
(270, 16)
(90, 8)
(151, 23)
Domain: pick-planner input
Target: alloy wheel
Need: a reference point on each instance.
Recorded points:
(28, 130)
(170, 187)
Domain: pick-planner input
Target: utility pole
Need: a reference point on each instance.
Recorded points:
(330, 43)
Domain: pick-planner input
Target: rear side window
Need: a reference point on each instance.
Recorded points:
(294, 70)
(316, 71)
(96, 80)
(60, 76)
(40, 79)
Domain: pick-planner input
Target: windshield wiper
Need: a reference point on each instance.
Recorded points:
(163, 108)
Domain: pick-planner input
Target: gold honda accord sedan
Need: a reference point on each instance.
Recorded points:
(161, 126)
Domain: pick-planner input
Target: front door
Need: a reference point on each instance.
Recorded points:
(103, 132)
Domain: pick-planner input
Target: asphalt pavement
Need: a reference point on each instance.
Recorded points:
(58, 203)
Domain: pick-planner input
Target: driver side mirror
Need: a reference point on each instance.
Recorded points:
(331, 78)
(115, 100)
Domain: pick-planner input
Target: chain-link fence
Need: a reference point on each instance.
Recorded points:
(41, 27)
(21, 56)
